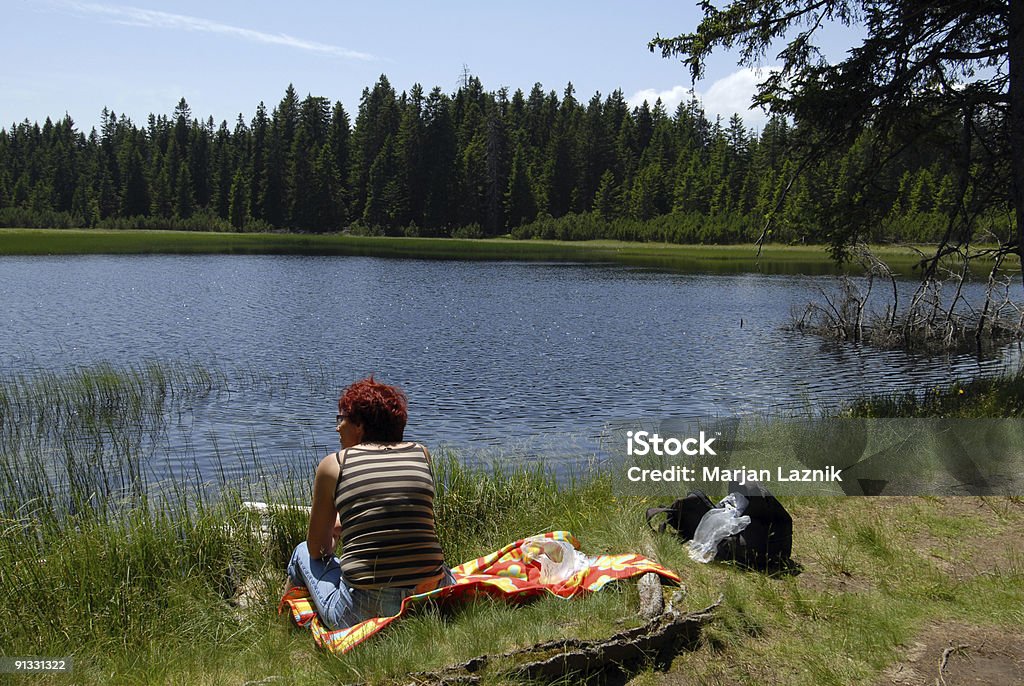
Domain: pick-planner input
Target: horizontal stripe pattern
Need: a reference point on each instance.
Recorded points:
(385, 500)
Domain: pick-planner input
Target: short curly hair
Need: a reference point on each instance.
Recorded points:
(380, 409)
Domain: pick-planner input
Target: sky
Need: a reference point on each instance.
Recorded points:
(224, 58)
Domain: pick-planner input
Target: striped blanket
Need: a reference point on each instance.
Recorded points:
(511, 573)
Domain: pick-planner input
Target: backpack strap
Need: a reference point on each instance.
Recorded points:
(653, 512)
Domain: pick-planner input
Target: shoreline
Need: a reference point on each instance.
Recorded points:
(812, 260)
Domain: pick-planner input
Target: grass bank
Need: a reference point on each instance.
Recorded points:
(990, 397)
(777, 259)
(184, 590)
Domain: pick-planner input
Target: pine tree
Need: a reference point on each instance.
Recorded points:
(339, 139)
(410, 142)
(382, 188)
(238, 211)
(184, 202)
(135, 195)
(322, 197)
(439, 206)
(299, 181)
(199, 161)
(595, 147)
(375, 128)
(223, 166)
(648, 196)
(497, 174)
(520, 203)
(271, 198)
(561, 173)
(606, 201)
(258, 178)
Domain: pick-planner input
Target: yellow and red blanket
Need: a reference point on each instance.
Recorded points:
(505, 573)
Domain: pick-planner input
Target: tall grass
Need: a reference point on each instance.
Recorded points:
(76, 441)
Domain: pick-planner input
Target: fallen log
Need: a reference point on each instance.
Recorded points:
(610, 660)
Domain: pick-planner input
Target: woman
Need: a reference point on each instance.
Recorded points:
(377, 495)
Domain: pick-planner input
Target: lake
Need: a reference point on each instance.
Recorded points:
(523, 359)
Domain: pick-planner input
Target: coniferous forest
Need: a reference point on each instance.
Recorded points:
(469, 164)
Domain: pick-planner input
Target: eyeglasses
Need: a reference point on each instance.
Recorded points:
(339, 418)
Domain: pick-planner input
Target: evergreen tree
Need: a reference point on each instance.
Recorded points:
(382, 189)
(271, 199)
(497, 174)
(238, 203)
(338, 138)
(223, 165)
(258, 172)
(595, 148)
(520, 203)
(412, 165)
(649, 197)
(606, 200)
(135, 196)
(375, 128)
(440, 157)
(322, 197)
(561, 173)
(184, 202)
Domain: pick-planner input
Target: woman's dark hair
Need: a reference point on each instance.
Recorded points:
(380, 409)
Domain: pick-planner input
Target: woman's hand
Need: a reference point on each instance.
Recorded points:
(336, 535)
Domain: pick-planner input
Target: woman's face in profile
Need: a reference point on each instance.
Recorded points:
(350, 432)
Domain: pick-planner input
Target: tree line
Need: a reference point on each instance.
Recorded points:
(473, 163)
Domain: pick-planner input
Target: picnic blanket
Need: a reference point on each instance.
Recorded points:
(512, 573)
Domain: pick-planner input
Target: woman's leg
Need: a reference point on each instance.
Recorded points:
(333, 600)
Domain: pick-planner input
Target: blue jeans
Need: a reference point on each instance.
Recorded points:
(338, 604)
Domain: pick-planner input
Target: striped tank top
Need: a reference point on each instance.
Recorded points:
(385, 501)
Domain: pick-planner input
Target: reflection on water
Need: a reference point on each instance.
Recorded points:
(525, 359)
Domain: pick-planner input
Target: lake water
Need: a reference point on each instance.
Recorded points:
(533, 360)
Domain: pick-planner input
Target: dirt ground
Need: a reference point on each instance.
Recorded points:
(953, 654)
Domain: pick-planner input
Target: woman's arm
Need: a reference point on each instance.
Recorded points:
(323, 518)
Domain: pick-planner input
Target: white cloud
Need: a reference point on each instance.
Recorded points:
(670, 98)
(725, 97)
(134, 16)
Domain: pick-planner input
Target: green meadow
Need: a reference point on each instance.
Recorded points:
(154, 582)
(774, 258)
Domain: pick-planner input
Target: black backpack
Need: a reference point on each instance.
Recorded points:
(765, 544)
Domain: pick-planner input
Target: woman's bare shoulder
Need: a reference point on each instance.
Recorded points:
(328, 466)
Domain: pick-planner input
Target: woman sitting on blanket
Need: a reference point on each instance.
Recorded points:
(377, 495)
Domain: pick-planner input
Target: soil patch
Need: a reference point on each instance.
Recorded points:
(954, 654)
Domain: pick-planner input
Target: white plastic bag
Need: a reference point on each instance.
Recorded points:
(724, 520)
(559, 561)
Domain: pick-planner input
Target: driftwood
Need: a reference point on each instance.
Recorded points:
(613, 660)
(652, 602)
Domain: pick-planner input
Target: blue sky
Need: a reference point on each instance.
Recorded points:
(139, 57)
